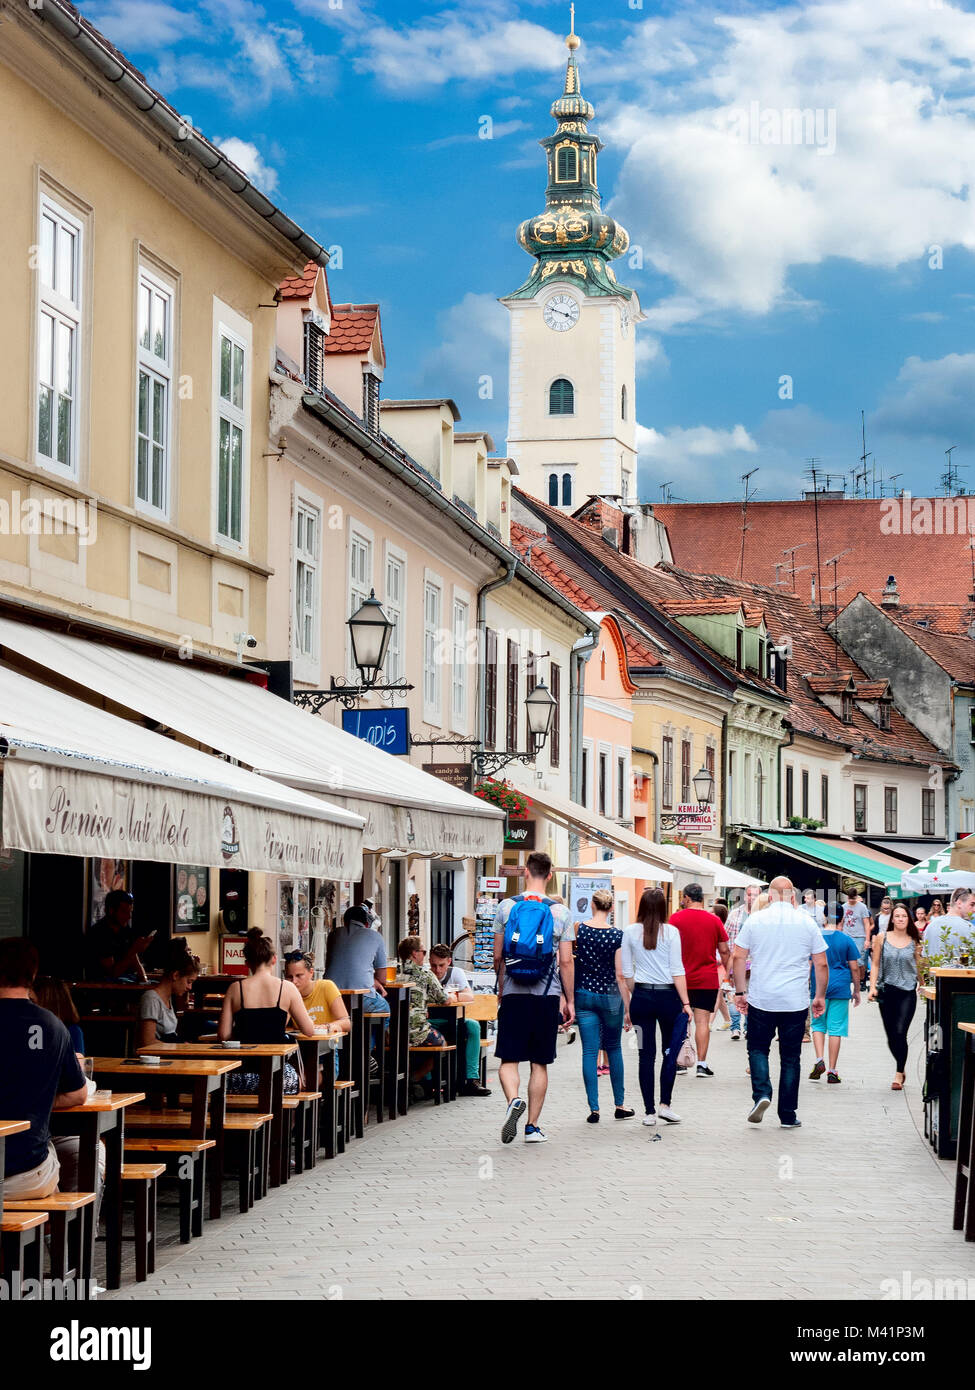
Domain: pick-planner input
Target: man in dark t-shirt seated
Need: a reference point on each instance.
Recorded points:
(39, 1071)
(112, 947)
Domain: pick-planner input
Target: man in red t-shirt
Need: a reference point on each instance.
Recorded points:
(702, 940)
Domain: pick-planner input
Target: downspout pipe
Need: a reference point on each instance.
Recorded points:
(581, 652)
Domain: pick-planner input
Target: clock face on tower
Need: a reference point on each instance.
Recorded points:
(561, 313)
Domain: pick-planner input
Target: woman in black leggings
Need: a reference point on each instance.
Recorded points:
(894, 978)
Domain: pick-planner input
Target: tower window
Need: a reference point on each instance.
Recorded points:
(622, 402)
(567, 165)
(561, 398)
(553, 489)
(567, 489)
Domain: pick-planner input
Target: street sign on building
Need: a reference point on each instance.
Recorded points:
(388, 729)
(695, 820)
(454, 774)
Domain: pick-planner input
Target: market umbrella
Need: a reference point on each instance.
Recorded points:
(935, 874)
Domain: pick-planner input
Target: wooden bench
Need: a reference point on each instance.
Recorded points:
(72, 1232)
(246, 1138)
(441, 1055)
(140, 1180)
(21, 1249)
(191, 1184)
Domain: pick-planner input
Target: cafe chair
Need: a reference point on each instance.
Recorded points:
(21, 1249)
(72, 1234)
(186, 1160)
(140, 1182)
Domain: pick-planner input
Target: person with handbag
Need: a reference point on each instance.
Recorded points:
(654, 989)
(894, 980)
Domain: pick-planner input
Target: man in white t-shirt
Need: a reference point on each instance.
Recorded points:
(780, 940)
(459, 991)
(944, 935)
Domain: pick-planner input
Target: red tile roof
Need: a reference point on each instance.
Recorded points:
(688, 607)
(942, 617)
(873, 690)
(300, 286)
(790, 621)
(830, 685)
(353, 326)
(935, 569)
(954, 653)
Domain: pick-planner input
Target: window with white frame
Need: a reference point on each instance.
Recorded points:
(58, 335)
(393, 607)
(360, 580)
(459, 682)
(307, 585)
(231, 435)
(154, 393)
(431, 654)
(585, 789)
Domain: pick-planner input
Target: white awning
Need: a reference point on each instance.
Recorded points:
(78, 780)
(598, 830)
(625, 866)
(403, 807)
(724, 877)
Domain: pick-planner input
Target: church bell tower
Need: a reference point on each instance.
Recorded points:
(571, 380)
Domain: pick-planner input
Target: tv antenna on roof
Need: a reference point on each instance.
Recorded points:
(811, 470)
(790, 556)
(951, 478)
(746, 479)
(836, 585)
(665, 493)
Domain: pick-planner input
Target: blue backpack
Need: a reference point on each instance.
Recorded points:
(529, 941)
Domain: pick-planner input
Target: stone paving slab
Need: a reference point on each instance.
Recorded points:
(433, 1206)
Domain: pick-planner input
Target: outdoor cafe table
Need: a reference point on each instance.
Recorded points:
(268, 1062)
(101, 1117)
(965, 1171)
(207, 1083)
(398, 1051)
(8, 1127)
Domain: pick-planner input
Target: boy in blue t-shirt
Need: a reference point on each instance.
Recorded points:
(843, 960)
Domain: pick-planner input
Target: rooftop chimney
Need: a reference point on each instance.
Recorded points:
(891, 598)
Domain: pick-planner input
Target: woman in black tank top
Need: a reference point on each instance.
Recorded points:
(261, 1022)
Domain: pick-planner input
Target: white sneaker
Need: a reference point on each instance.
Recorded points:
(516, 1108)
(650, 1121)
(533, 1135)
(721, 1027)
(735, 1034)
(671, 1116)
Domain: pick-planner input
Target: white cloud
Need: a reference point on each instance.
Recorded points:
(699, 442)
(142, 24)
(455, 45)
(248, 159)
(727, 216)
(931, 400)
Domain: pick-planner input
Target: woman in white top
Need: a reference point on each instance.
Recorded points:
(654, 990)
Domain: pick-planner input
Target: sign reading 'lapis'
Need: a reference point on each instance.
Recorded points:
(388, 729)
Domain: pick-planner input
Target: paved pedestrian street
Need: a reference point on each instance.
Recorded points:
(852, 1206)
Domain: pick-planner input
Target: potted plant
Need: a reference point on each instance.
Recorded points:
(499, 793)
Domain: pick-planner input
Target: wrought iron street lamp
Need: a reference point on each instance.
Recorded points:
(370, 632)
(540, 709)
(704, 786)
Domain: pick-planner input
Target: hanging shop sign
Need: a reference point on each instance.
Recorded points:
(520, 834)
(388, 729)
(454, 774)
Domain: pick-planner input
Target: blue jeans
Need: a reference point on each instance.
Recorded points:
(735, 1015)
(600, 1019)
(648, 1008)
(374, 1003)
(762, 1026)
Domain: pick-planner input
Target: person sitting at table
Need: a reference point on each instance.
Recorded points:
(354, 957)
(459, 991)
(321, 998)
(41, 1073)
(112, 946)
(429, 990)
(157, 1014)
(54, 995)
(261, 1016)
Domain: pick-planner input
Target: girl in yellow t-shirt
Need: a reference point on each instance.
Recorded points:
(322, 999)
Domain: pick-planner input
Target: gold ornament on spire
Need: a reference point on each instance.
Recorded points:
(572, 39)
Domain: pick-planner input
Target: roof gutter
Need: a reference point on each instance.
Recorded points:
(126, 80)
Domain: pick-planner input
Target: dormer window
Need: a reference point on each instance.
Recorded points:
(847, 708)
(739, 648)
(883, 714)
(370, 401)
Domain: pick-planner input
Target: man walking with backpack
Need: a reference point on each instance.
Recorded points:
(533, 938)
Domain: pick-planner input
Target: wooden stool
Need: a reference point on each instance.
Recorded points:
(377, 1084)
(441, 1056)
(306, 1130)
(71, 1218)
(333, 1118)
(191, 1185)
(246, 1140)
(140, 1181)
(21, 1249)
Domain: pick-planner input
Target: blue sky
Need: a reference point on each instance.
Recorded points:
(838, 254)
